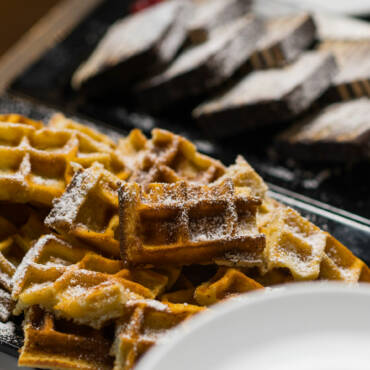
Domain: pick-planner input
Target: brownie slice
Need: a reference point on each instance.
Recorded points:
(135, 46)
(202, 67)
(268, 96)
(353, 78)
(286, 37)
(210, 14)
(340, 132)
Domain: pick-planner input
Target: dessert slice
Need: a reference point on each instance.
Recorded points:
(339, 132)
(285, 38)
(353, 78)
(135, 46)
(268, 97)
(201, 67)
(210, 14)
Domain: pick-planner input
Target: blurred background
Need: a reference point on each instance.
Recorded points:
(18, 16)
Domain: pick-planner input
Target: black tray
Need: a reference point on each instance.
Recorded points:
(48, 81)
(350, 229)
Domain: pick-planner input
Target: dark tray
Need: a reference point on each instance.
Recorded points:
(350, 229)
(48, 81)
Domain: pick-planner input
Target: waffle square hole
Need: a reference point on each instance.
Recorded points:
(10, 136)
(49, 141)
(10, 163)
(96, 213)
(159, 229)
(48, 172)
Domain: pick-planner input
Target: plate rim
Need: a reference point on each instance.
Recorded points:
(278, 292)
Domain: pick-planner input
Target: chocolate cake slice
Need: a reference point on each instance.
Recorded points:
(286, 37)
(353, 78)
(340, 132)
(268, 96)
(134, 46)
(202, 67)
(210, 14)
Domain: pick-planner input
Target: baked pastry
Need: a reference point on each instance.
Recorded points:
(166, 157)
(38, 163)
(142, 326)
(210, 14)
(285, 38)
(183, 223)
(260, 97)
(202, 67)
(59, 344)
(19, 227)
(338, 133)
(121, 56)
(91, 192)
(353, 78)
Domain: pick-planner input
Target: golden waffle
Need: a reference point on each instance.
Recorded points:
(18, 118)
(181, 292)
(37, 164)
(93, 147)
(295, 249)
(15, 240)
(52, 343)
(245, 177)
(141, 328)
(339, 263)
(88, 210)
(46, 261)
(79, 284)
(184, 223)
(60, 121)
(293, 242)
(227, 283)
(168, 158)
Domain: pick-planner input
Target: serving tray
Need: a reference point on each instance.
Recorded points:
(350, 229)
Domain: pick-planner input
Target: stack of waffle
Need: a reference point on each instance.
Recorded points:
(106, 246)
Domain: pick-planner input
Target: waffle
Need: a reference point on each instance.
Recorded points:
(295, 248)
(91, 192)
(18, 118)
(226, 283)
(141, 328)
(37, 164)
(51, 343)
(81, 285)
(339, 263)
(249, 182)
(59, 121)
(293, 243)
(168, 158)
(245, 177)
(15, 240)
(183, 223)
(182, 291)
(92, 147)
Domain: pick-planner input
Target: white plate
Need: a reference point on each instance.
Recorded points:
(304, 326)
